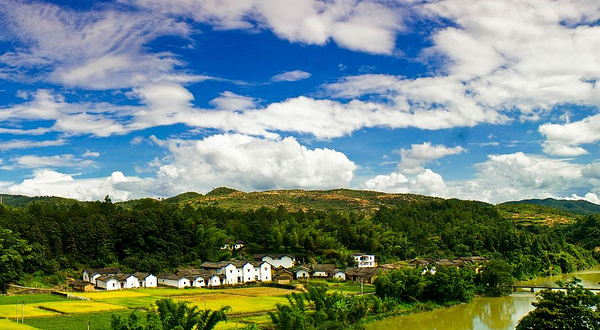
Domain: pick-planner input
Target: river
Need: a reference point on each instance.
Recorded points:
(496, 313)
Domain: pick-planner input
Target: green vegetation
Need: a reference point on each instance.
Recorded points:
(316, 309)
(572, 309)
(577, 207)
(97, 321)
(170, 315)
(13, 255)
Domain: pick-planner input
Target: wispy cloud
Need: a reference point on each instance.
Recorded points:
(291, 76)
(26, 144)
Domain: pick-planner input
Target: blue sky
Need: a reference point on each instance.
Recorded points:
(487, 100)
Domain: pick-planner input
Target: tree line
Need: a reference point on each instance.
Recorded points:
(155, 236)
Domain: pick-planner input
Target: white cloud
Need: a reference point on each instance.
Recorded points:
(98, 49)
(395, 182)
(26, 144)
(414, 158)
(89, 153)
(233, 102)
(564, 139)
(367, 26)
(250, 163)
(502, 177)
(51, 183)
(291, 76)
(234, 160)
(33, 161)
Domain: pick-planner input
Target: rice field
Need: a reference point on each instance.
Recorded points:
(79, 307)
(11, 311)
(239, 305)
(9, 325)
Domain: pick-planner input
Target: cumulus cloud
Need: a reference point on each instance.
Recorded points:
(564, 139)
(52, 183)
(251, 163)
(414, 158)
(243, 162)
(503, 177)
(366, 26)
(291, 76)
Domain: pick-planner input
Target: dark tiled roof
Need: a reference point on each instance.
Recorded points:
(141, 276)
(102, 271)
(323, 267)
(219, 264)
(273, 255)
(168, 276)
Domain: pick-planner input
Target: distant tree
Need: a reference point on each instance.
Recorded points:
(13, 254)
(572, 309)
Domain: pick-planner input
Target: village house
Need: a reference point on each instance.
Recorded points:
(224, 268)
(173, 280)
(127, 281)
(91, 274)
(301, 272)
(283, 276)
(108, 282)
(323, 270)
(364, 260)
(277, 260)
(339, 274)
(146, 280)
(363, 274)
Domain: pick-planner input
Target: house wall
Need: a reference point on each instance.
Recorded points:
(340, 276)
(320, 274)
(111, 284)
(231, 274)
(94, 278)
(265, 272)
(199, 282)
(302, 274)
(131, 282)
(150, 282)
(214, 281)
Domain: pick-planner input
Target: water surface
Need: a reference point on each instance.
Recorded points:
(494, 313)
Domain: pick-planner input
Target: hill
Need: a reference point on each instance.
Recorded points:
(326, 200)
(577, 207)
(20, 200)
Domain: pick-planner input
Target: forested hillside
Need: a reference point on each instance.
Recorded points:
(152, 235)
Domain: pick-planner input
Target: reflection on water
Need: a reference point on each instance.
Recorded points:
(484, 313)
(500, 313)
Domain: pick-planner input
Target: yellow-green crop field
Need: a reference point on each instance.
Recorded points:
(9, 325)
(45, 313)
(80, 306)
(10, 311)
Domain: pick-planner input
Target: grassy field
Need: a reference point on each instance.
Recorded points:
(97, 321)
(30, 299)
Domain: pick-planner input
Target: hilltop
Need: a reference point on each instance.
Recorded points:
(296, 199)
(572, 206)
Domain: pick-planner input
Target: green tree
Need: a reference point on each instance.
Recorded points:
(496, 278)
(13, 254)
(572, 309)
(170, 315)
